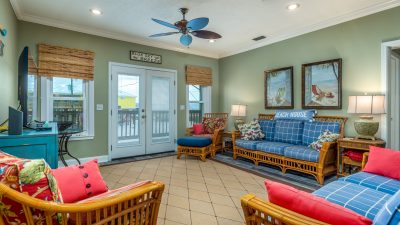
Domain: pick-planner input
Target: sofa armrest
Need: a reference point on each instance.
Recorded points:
(235, 136)
(327, 153)
(364, 159)
(258, 211)
(189, 131)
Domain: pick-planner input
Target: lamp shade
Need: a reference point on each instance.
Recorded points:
(238, 110)
(367, 104)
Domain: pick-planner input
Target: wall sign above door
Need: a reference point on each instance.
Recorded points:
(146, 57)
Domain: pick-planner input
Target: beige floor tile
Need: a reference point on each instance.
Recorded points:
(179, 182)
(197, 186)
(202, 207)
(178, 201)
(127, 180)
(221, 199)
(233, 185)
(199, 195)
(223, 221)
(237, 202)
(160, 221)
(169, 222)
(161, 211)
(213, 181)
(217, 189)
(196, 179)
(227, 212)
(164, 198)
(236, 192)
(179, 215)
(202, 219)
(180, 191)
(196, 172)
(165, 180)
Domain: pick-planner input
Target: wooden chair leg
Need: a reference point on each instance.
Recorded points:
(320, 179)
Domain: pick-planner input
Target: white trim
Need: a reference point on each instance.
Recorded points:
(273, 38)
(70, 162)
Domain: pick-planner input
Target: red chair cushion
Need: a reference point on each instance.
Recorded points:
(198, 129)
(312, 206)
(383, 161)
(80, 182)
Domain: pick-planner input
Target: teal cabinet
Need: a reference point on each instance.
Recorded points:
(33, 145)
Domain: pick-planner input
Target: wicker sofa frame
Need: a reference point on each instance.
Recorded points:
(135, 207)
(258, 211)
(327, 159)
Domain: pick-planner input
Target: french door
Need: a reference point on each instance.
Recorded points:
(142, 110)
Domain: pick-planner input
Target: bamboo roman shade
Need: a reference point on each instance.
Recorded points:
(196, 75)
(56, 61)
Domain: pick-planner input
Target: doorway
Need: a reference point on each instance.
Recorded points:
(142, 107)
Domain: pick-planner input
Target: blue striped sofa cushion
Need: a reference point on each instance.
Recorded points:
(302, 153)
(390, 212)
(251, 145)
(362, 200)
(374, 181)
(272, 147)
(268, 128)
(312, 130)
(289, 131)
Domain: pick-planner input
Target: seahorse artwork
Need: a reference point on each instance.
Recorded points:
(1, 48)
(3, 30)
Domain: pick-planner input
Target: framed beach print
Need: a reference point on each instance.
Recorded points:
(322, 85)
(279, 88)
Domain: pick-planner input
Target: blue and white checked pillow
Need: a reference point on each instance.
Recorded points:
(389, 214)
(289, 131)
(268, 128)
(312, 130)
(301, 115)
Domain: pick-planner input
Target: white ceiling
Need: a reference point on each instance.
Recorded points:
(238, 21)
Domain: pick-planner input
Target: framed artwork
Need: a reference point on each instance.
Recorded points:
(279, 88)
(322, 85)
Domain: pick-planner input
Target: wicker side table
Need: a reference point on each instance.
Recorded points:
(344, 162)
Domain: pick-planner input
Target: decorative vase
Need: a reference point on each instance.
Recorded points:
(366, 128)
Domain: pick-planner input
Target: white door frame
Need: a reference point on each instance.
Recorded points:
(386, 48)
(110, 65)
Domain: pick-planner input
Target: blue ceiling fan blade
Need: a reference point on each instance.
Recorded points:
(170, 25)
(186, 39)
(198, 23)
(164, 34)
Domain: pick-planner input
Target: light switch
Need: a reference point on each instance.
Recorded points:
(99, 107)
(182, 107)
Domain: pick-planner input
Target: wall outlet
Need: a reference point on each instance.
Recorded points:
(99, 107)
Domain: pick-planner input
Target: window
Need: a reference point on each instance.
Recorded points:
(198, 103)
(32, 98)
(69, 100)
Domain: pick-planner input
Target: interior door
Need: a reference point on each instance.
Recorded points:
(127, 112)
(160, 111)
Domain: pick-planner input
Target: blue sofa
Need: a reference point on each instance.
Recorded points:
(286, 145)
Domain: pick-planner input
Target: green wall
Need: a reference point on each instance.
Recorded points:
(8, 62)
(357, 42)
(108, 50)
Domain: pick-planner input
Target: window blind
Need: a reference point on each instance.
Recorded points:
(196, 75)
(56, 61)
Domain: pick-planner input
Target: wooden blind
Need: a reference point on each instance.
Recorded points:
(32, 68)
(56, 61)
(196, 75)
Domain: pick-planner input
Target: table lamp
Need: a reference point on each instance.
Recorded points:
(238, 111)
(367, 105)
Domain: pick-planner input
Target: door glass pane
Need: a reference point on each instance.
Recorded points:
(128, 109)
(160, 109)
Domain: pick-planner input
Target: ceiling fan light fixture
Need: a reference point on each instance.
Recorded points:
(293, 6)
(96, 12)
(211, 40)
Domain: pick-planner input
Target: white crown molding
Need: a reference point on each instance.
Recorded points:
(318, 26)
(17, 9)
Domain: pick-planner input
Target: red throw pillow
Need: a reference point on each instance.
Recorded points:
(312, 206)
(383, 161)
(80, 182)
(198, 129)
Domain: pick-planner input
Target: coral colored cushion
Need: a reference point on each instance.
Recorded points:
(80, 182)
(198, 129)
(312, 206)
(383, 161)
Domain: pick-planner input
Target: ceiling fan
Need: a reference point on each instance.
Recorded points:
(187, 28)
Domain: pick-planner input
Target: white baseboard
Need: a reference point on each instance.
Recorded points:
(70, 162)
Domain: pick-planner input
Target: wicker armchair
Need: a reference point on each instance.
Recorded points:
(138, 206)
(218, 133)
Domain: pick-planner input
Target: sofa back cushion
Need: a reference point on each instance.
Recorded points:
(299, 115)
(383, 161)
(32, 177)
(312, 130)
(312, 206)
(389, 214)
(210, 124)
(289, 131)
(268, 128)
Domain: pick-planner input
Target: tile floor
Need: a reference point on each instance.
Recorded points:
(196, 193)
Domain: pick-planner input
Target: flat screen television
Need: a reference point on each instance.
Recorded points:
(27, 87)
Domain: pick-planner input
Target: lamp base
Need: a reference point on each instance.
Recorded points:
(366, 128)
(238, 121)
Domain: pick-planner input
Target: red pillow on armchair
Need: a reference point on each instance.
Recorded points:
(198, 129)
(383, 161)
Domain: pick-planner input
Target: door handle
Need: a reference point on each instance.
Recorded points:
(143, 117)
